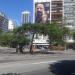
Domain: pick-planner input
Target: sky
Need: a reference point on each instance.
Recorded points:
(13, 8)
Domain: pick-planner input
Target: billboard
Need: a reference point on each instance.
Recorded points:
(42, 12)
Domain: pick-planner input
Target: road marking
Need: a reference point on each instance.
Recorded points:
(43, 62)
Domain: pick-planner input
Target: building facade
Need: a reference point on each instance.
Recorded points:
(59, 11)
(46, 11)
(3, 22)
(69, 13)
(69, 20)
(25, 17)
(69, 17)
(41, 14)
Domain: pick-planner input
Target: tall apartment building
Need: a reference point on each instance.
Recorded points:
(3, 22)
(60, 11)
(41, 14)
(25, 17)
(46, 11)
(69, 18)
(57, 11)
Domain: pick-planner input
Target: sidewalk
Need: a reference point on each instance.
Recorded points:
(6, 50)
(64, 52)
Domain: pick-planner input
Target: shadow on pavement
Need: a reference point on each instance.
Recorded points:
(37, 52)
(65, 67)
(11, 74)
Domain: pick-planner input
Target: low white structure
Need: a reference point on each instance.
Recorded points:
(40, 41)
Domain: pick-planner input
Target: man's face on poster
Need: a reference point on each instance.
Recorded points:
(41, 14)
(40, 8)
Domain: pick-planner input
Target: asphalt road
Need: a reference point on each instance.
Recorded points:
(37, 68)
(63, 67)
(37, 64)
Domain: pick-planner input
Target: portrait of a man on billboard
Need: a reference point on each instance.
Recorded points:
(42, 12)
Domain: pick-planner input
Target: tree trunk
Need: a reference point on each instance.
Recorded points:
(31, 44)
(17, 48)
(50, 38)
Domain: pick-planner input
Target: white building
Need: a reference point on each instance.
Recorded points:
(69, 18)
(69, 13)
(25, 17)
(11, 25)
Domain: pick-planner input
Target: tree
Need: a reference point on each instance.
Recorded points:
(20, 38)
(32, 29)
(5, 39)
(1, 31)
(55, 33)
(53, 30)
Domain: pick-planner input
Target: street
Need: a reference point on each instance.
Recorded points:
(64, 67)
(22, 67)
(37, 64)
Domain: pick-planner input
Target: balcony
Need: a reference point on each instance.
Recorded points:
(56, 8)
(56, 13)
